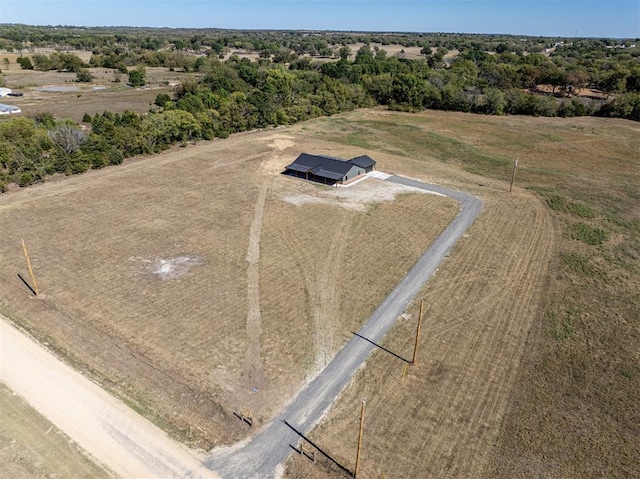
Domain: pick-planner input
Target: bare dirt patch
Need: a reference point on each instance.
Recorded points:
(173, 268)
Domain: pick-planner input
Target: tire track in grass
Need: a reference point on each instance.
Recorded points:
(253, 365)
(320, 287)
(325, 303)
(266, 451)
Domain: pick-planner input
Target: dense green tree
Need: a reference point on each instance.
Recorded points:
(495, 102)
(626, 105)
(162, 99)
(344, 52)
(42, 62)
(25, 63)
(137, 77)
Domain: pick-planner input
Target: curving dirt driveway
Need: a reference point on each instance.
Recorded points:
(262, 457)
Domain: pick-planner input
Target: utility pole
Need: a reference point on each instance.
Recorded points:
(415, 347)
(33, 278)
(355, 472)
(513, 175)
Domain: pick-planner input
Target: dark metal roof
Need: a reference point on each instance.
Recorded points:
(329, 174)
(300, 168)
(363, 161)
(324, 166)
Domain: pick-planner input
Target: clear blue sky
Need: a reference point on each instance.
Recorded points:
(587, 18)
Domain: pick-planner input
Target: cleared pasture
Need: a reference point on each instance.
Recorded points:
(527, 351)
(146, 284)
(107, 92)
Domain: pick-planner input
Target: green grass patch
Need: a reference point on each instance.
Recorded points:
(537, 171)
(554, 138)
(415, 141)
(587, 234)
(359, 139)
(580, 265)
(625, 256)
(631, 226)
(560, 328)
(560, 203)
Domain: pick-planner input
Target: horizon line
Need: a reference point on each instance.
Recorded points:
(328, 30)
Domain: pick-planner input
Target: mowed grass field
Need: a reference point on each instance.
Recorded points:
(528, 359)
(200, 281)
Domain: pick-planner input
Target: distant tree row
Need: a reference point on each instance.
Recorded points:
(240, 94)
(23, 37)
(131, 39)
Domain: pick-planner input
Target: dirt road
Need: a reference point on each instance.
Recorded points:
(107, 429)
(262, 457)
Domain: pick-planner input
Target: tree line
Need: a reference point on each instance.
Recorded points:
(282, 88)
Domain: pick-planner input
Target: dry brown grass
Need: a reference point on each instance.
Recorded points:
(30, 446)
(445, 417)
(107, 92)
(181, 349)
(524, 373)
(528, 360)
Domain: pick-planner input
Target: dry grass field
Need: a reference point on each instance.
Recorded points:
(200, 281)
(108, 90)
(30, 446)
(529, 361)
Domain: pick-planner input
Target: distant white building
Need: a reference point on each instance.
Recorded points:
(5, 92)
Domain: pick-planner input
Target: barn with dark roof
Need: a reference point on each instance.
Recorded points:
(329, 170)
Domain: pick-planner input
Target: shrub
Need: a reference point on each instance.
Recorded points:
(162, 99)
(25, 63)
(137, 77)
(84, 75)
(26, 179)
(115, 157)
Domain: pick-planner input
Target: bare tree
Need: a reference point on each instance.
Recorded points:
(68, 138)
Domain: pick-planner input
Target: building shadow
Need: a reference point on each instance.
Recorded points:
(315, 446)
(381, 347)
